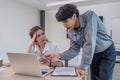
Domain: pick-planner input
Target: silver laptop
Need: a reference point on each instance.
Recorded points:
(27, 64)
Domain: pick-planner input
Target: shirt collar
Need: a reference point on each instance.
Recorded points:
(81, 24)
(45, 49)
(81, 21)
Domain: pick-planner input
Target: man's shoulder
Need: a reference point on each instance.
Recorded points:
(89, 12)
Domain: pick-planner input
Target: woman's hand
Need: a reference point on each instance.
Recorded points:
(44, 60)
(33, 38)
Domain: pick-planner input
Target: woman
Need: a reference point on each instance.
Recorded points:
(40, 46)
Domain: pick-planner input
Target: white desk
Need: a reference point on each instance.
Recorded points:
(8, 74)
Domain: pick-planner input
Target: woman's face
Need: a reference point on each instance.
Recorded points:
(40, 37)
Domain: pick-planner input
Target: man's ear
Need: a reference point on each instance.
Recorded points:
(74, 16)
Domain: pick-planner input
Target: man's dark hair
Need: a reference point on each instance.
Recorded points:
(66, 11)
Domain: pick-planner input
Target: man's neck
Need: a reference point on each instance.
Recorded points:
(77, 24)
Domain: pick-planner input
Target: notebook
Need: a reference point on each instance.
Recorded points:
(27, 64)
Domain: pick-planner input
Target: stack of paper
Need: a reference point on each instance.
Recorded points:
(64, 71)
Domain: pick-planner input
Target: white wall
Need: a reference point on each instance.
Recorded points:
(56, 32)
(15, 22)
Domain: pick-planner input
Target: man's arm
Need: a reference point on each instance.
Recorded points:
(71, 52)
(90, 37)
(51, 63)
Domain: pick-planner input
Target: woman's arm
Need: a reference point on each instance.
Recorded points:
(31, 44)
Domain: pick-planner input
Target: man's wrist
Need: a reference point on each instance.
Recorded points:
(59, 56)
(51, 64)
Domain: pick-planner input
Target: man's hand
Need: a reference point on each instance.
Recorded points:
(51, 57)
(81, 72)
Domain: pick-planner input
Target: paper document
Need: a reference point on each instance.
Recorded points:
(2, 69)
(64, 71)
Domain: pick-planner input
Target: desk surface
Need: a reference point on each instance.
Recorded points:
(8, 74)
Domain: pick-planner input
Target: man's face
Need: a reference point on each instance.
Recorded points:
(69, 23)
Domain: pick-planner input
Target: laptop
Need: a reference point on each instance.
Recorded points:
(27, 64)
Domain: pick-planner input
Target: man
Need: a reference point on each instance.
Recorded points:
(88, 32)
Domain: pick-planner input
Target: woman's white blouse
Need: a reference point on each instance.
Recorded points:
(50, 47)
